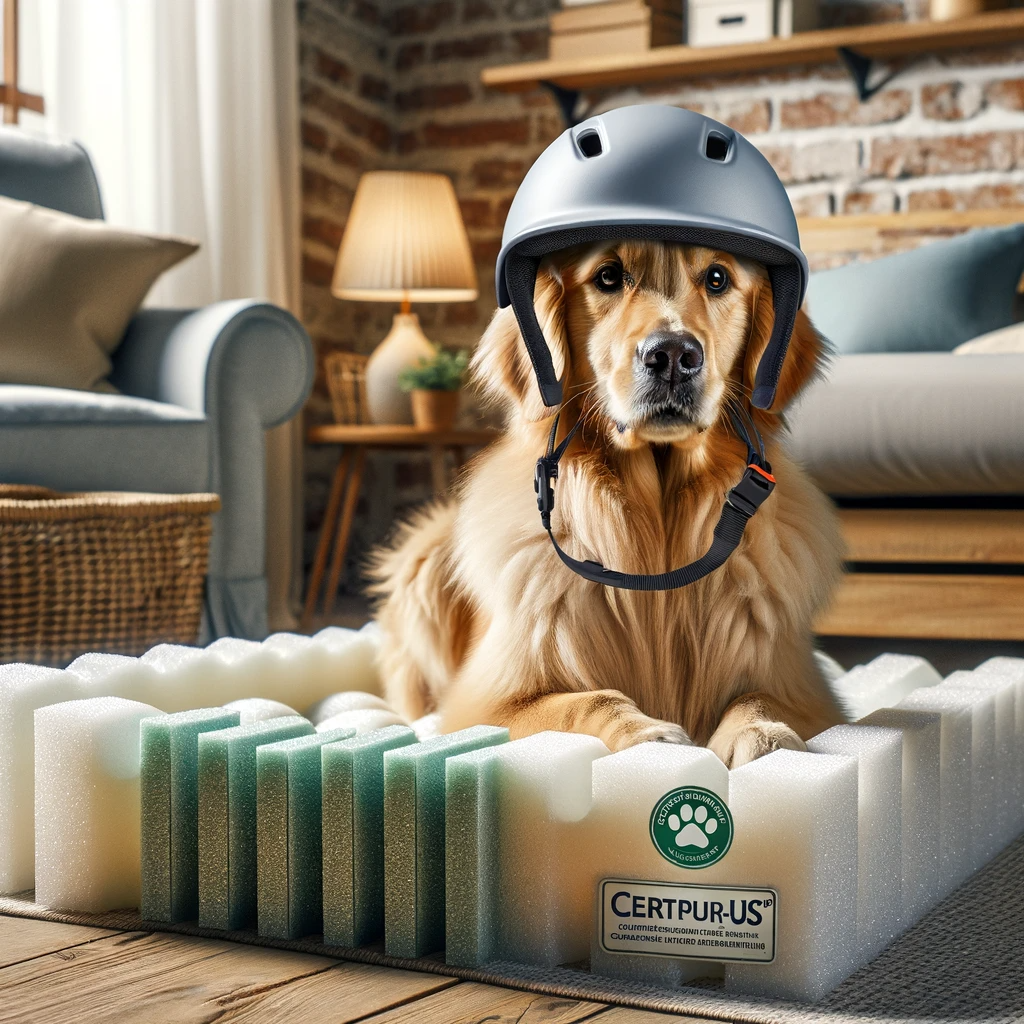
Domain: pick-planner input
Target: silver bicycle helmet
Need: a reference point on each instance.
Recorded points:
(660, 173)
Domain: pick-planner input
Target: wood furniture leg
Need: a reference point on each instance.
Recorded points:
(324, 543)
(348, 512)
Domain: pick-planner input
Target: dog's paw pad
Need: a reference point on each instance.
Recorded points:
(692, 826)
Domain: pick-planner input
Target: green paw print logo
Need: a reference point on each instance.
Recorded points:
(691, 827)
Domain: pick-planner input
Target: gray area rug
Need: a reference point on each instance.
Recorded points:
(964, 962)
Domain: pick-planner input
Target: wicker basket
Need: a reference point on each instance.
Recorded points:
(99, 572)
(346, 382)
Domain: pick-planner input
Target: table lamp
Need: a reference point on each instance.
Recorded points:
(404, 242)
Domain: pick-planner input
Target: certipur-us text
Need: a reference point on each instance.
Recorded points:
(703, 922)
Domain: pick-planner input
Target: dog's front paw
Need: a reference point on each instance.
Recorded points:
(649, 730)
(754, 741)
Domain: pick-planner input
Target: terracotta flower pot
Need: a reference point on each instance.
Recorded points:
(434, 410)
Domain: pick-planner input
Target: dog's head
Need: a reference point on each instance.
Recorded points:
(653, 337)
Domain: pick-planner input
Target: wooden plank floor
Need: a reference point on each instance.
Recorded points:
(65, 973)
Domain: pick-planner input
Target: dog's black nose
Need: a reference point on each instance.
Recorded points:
(671, 356)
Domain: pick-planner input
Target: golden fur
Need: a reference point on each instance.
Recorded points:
(485, 625)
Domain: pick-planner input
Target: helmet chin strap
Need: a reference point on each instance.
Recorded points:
(740, 505)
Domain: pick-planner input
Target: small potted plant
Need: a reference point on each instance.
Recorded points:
(433, 385)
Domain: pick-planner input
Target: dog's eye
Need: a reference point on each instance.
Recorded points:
(716, 280)
(609, 278)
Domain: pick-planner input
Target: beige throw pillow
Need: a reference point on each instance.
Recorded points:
(68, 288)
(1006, 339)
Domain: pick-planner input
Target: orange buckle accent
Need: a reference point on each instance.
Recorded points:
(758, 469)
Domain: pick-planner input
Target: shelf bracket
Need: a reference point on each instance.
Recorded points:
(860, 68)
(567, 100)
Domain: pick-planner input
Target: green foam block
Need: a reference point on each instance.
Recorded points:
(353, 835)
(289, 872)
(227, 818)
(414, 838)
(169, 783)
(471, 857)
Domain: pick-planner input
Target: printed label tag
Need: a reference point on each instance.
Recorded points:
(704, 922)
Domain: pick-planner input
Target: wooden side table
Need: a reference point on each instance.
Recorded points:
(355, 441)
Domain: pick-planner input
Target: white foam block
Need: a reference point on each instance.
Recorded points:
(795, 816)
(955, 840)
(23, 688)
(259, 709)
(544, 784)
(116, 675)
(920, 806)
(250, 669)
(883, 683)
(1012, 670)
(879, 754)
(365, 720)
(1005, 767)
(616, 836)
(353, 658)
(88, 818)
(191, 678)
(985, 819)
(339, 703)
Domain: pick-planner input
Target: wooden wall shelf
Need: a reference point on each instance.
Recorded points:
(857, 47)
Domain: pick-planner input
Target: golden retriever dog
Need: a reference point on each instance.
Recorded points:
(482, 621)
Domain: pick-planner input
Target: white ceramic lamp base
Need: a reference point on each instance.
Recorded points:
(405, 345)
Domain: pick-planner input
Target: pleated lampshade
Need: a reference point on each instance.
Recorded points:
(405, 241)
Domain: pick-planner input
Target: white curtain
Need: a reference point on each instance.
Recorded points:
(189, 110)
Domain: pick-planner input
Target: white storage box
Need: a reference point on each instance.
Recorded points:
(720, 22)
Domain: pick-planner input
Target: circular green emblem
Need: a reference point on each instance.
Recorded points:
(691, 827)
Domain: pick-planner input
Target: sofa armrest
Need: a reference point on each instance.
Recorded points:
(236, 350)
(247, 366)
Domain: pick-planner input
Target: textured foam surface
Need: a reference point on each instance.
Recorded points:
(1004, 689)
(353, 835)
(169, 748)
(795, 817)
(227, 819)
(363, 720)
(472, 857)
(883, 683)
(546, 783)
(879, 754)
(353, 657)
(1012, 669)
(260, 709)
(116, 675)
(23, 689)
(513, 827)
(627, 787)
(193, 679)
(919, 806)
(288, 835)
(339, 703)
(88, 804)
(414, 838)
(986, 826)
(955, 839)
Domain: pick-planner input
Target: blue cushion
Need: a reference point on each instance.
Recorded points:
(930, 299)
(82, 441)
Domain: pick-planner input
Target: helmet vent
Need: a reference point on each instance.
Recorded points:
(716, 147)
(589, 143)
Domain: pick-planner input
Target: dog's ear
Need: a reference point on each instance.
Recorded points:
(501, 364)
(804, 358)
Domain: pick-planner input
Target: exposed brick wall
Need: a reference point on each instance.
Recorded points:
(394, 84)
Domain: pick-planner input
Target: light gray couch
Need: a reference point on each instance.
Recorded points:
(198, 390)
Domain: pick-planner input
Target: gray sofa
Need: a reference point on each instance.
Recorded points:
(198, 389)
